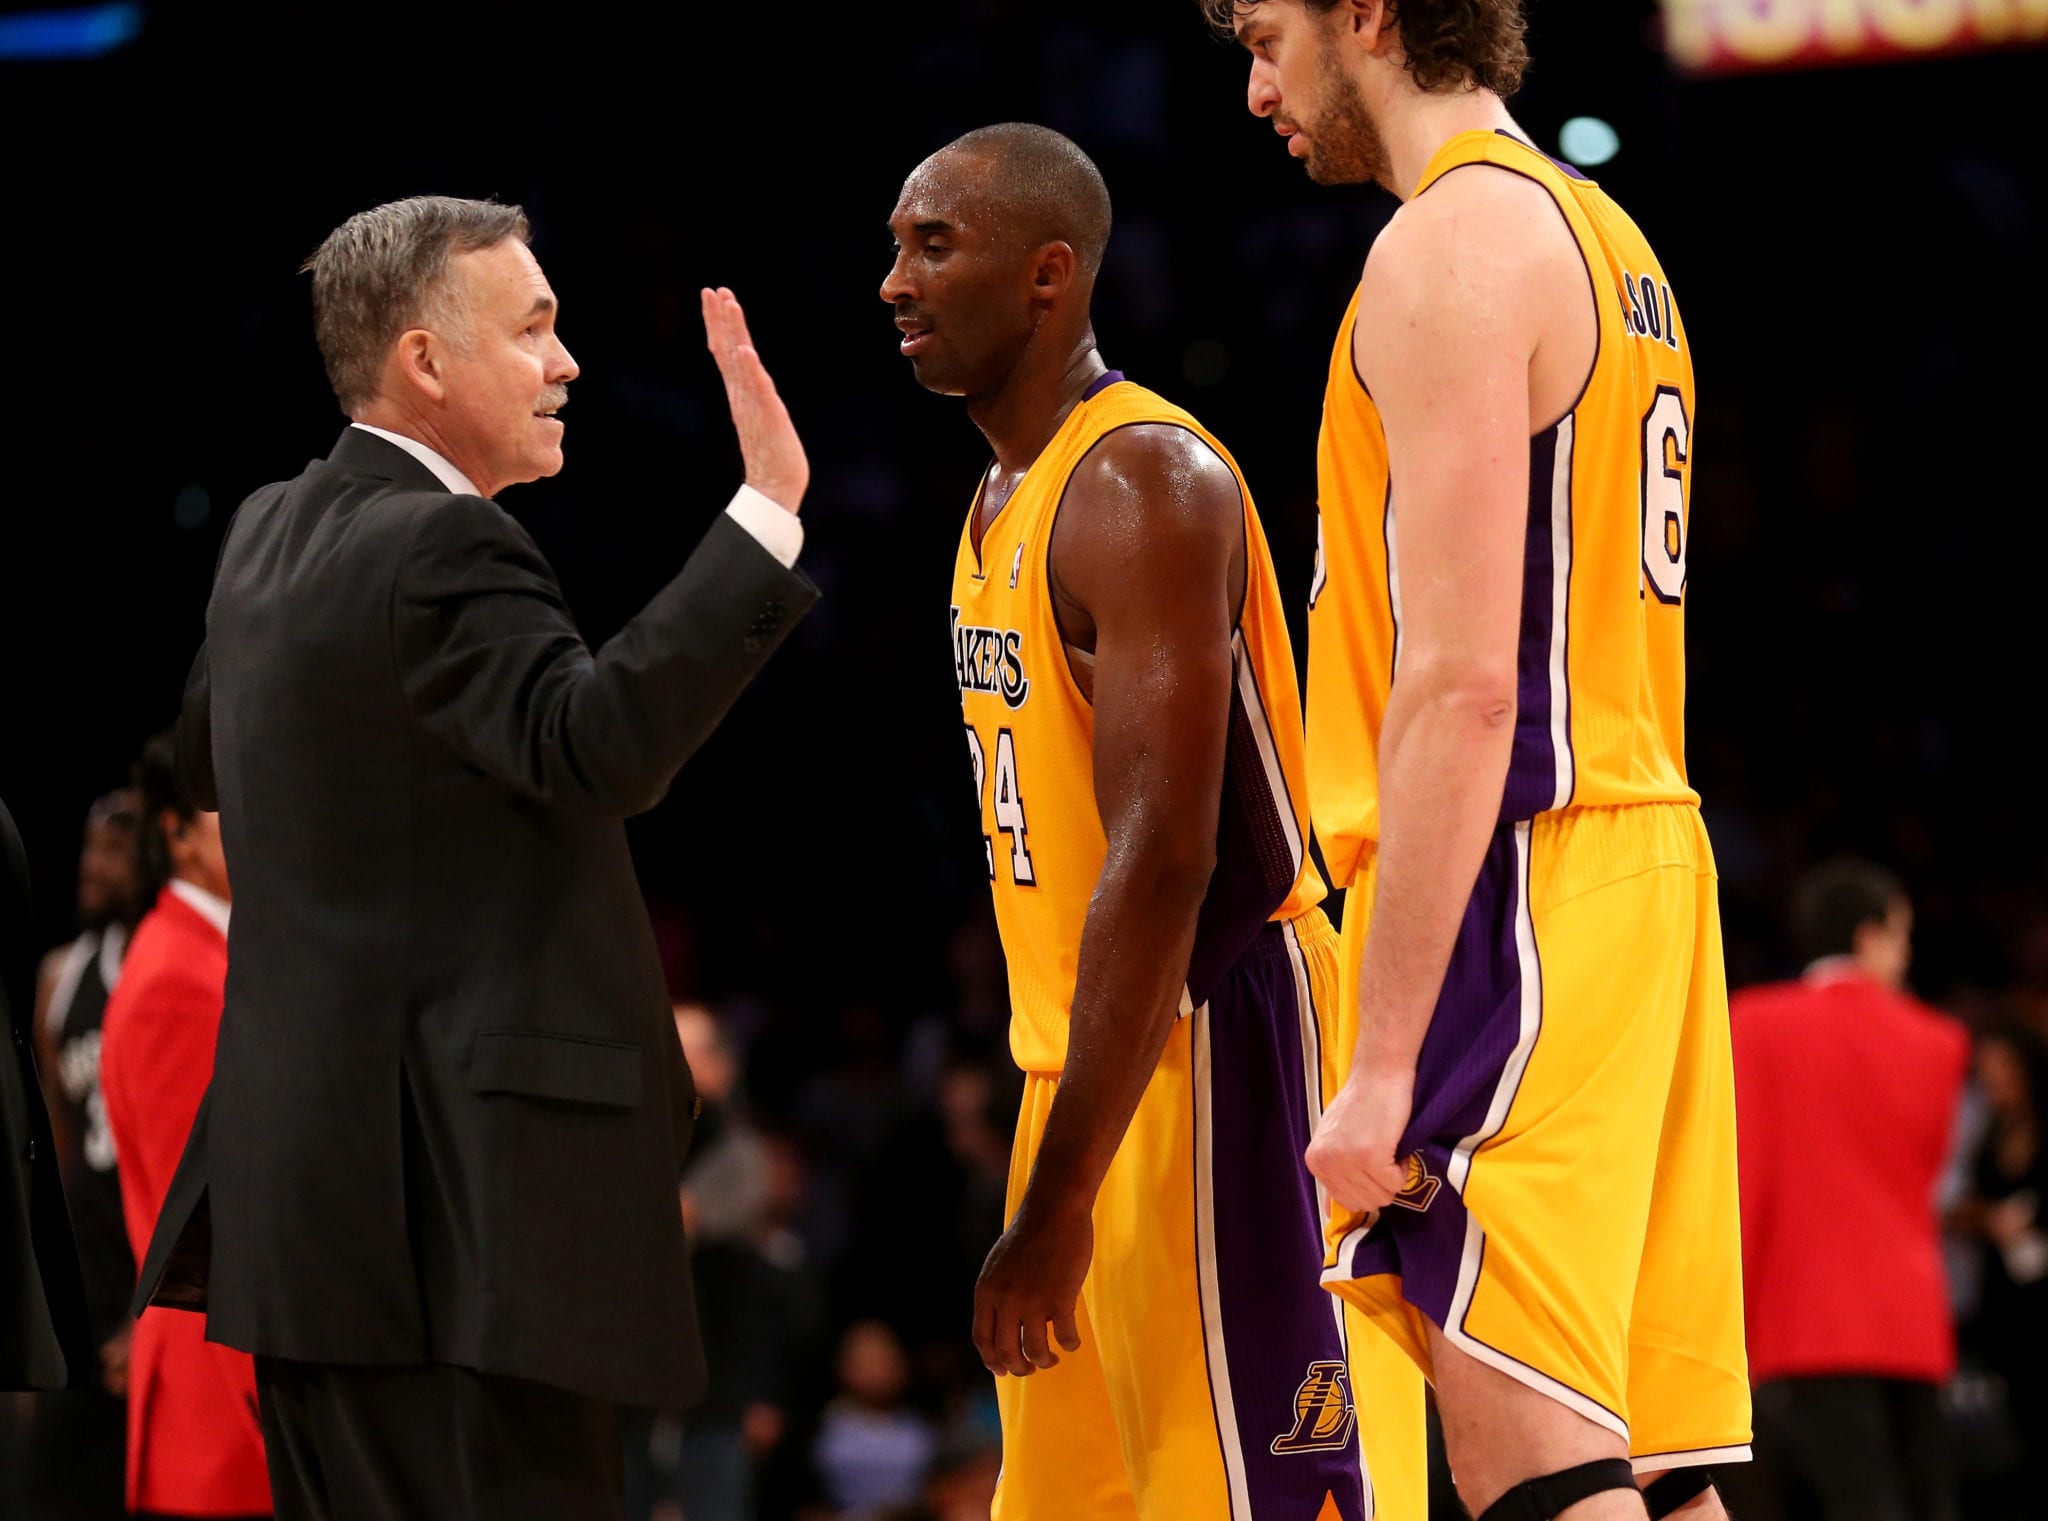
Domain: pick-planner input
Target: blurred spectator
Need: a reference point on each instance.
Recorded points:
(754, 1309)
(194, 1445)
(45, 1340)
(872, 1450)
(2003, 1213)
(1846, 1096)
(962, 1486)
(76, 1443)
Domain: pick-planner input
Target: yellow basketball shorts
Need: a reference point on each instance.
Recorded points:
(1571, 1216)
(1216, 1381)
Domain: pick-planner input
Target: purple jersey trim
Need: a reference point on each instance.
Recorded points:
(1102, 382)
(1556, 163)
(1532, 764)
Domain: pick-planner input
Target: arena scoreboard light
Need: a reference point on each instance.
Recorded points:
(1737, 36)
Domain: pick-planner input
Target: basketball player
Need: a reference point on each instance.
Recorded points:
(1534, 1149)
(1134, 730)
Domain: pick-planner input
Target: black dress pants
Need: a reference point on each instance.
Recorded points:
(1853, 1448)
(434, 1443)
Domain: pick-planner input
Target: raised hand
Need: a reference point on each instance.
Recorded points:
(775, 462)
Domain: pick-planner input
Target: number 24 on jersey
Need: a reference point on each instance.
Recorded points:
(1008, 804)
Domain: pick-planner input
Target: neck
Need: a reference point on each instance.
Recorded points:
(194, 877)
(393, 417)
(1021, 415)
(1415, 124)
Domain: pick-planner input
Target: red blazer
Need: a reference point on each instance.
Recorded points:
(1845, 1099)
(194, 1444)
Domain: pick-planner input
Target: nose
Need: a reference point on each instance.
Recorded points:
(896, 284)
(1262, 90)
(564, 368)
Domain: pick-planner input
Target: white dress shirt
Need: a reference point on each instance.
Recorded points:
(776, 530)
(212, 909)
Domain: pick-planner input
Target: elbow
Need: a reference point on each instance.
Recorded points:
(1484, 697)
(1171, 878)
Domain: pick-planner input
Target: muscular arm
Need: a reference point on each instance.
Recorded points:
(1148, 558)
(1450, 322)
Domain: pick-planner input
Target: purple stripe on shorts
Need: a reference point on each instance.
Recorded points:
(1532, 766)
(1473, 1033)
(1295, 1412)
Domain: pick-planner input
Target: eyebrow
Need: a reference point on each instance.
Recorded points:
(541, 306)
(931, 225)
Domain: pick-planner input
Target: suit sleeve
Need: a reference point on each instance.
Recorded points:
(195, 738)
(492, 663)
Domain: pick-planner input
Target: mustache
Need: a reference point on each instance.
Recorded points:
(553, 396)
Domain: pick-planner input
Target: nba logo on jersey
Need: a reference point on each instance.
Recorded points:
(1016, 566)
(1323, 1413)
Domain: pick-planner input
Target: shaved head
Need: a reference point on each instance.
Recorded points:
(998, 239)
(1034, 183)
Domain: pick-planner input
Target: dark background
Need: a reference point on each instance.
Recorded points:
(1858, 253)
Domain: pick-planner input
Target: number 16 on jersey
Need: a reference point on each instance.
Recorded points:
(1008, 804)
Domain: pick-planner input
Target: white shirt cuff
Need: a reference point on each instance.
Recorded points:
(777, 528)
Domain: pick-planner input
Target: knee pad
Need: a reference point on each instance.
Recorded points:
(1673, 1489)
(1544, 1498)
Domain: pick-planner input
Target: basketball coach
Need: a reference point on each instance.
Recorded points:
(433, 1185)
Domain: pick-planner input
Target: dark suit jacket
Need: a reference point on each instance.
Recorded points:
(45, 1339)
(448, 1108)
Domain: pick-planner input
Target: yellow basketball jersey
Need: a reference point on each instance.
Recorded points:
(1601, 716)
(1031, 738)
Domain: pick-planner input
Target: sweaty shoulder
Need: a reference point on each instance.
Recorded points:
(1155, 475)
(1146, 495)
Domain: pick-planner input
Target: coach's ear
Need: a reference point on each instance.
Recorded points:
(418, 362)
(1052, 270)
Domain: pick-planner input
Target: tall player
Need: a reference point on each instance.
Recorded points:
(1134, 729)
(1534, 1149)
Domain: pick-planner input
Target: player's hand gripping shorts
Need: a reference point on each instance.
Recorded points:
(1571, 1218)
(1216, 1381)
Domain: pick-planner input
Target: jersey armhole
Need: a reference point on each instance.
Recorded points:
(1052, 530)
(1585, 263)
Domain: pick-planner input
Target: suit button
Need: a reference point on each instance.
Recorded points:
(28, 1152)
(751, 645)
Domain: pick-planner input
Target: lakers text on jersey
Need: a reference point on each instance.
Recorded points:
(1215, 1379)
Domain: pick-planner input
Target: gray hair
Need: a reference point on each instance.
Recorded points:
(384, 271)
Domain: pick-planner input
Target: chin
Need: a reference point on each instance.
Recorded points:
(936, 380)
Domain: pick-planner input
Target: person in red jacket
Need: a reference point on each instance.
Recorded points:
(1846, 1093)
(194, 1444)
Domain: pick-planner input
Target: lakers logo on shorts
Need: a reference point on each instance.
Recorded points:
(1323, 1413)
(1420, 1186)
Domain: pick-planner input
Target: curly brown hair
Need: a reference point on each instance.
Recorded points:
(1449, 44)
